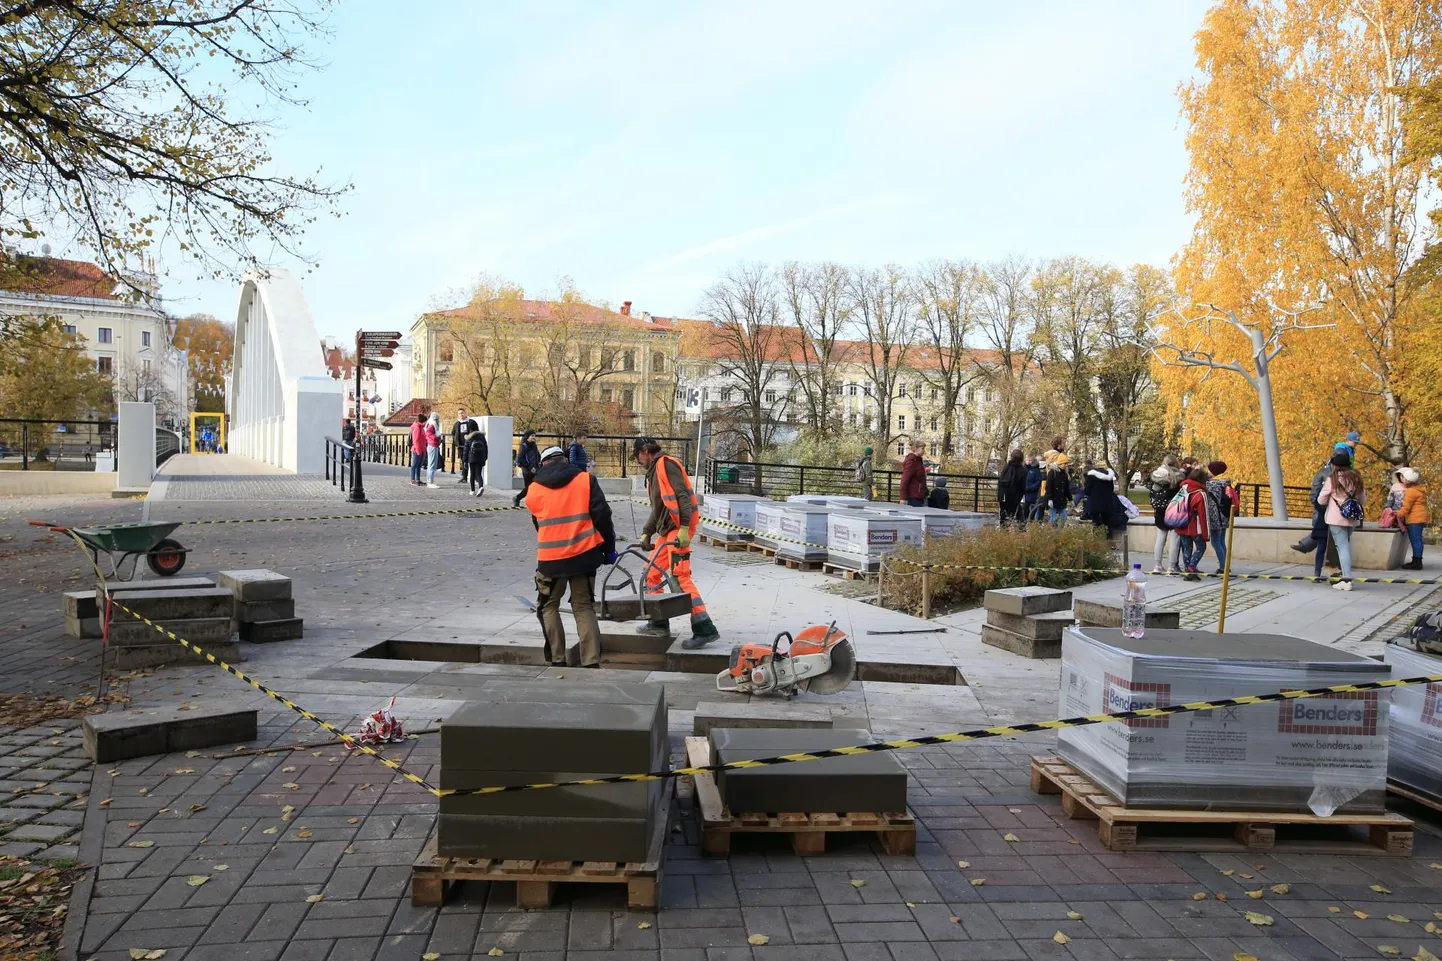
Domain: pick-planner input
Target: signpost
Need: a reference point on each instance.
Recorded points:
(694, 405)
(370, 346)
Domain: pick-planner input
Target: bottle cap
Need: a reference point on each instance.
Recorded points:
(1136, 567)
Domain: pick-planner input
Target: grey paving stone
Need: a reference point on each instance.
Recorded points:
(354, 949)
(887, 931)
(249, 951)
(307, 950)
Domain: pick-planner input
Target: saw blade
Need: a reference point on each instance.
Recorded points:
(838, 676)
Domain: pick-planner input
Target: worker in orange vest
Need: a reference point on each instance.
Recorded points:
(673, 522)
(574, 537)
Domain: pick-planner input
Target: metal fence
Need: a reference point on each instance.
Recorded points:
(969, 492)
(167, 445)
(610, 454)
(32, 444)
(337, 463)
(1257, 501)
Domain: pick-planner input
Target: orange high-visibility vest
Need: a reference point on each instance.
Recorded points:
(669, 496)
(563, 518)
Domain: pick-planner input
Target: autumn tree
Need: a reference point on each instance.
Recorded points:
(130, 123)
(1005, 325)
(744, 306)
(209, 346)
(814, 297)
(1304, 192)
(947, 294)
(1131, 413)
(46, 375)
(883, 304)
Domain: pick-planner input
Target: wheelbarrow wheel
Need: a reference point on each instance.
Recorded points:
(167, 558)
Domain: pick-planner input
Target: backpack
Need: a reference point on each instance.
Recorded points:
(860, 474)
(1179, 510)
(1426, 634)
(1350, 509)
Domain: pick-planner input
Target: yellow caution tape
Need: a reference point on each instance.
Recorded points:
(350, 517)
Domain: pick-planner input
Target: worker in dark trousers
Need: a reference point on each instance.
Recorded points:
(574, 537)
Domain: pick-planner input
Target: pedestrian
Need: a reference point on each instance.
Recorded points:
(1099, 495)
(1058, 485)
(574, 537)
(865, 471)
(1011, 489)
(913, 477)
(1413, 515)
(464, 427)
(528, 459)
(940, 497)
(477, 451)
(1317, 538)
(418, 446)
(433, 448)
(1348, 446)
(1162, 486)
(1032, 491)
(1344, 499)
(89, 452)
(347, 437)
(673, 521)
(1223, 503)
(1193, 534)
(576, 453)
(1136, 479)
(1079, 490)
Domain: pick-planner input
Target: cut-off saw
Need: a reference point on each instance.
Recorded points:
(819, 660)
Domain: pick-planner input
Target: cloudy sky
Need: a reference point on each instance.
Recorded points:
(642, 148)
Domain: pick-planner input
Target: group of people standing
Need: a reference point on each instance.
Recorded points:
(1041, 488)
(1207, 502)
(469, 441)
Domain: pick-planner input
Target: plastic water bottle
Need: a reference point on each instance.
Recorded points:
(1134, 603)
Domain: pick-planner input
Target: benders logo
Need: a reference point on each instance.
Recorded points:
(1351, 714)
(1432, 706)
(881, 537)
(1119, 694)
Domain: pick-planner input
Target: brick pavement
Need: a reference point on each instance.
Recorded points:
(354, 831)
(44, 780)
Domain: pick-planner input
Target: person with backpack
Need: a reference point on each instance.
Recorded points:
(1033, 486)
(864, 474)
(940, 497)
(1058, 488)
(913, 477)
(1413, 515)
(1343, 498)
(1011, 489)
(1099, 493)
(1316, 539)
(576, 454)
(1161, 488)
(528, 459)
(1187, 515)
(477, 452)
(464, 427)
(1223, 503)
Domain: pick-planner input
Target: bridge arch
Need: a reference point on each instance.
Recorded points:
(282, 400)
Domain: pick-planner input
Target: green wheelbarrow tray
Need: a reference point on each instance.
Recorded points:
(127, 543)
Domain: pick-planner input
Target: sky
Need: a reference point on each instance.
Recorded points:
(641, 149)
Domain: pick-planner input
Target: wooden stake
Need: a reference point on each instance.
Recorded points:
(1227, 569)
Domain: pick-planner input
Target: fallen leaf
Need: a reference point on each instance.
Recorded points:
(1074, 915)
(644, 925)
(858, 883)
(291, 786)
(221, 867)
(1431, 927)
(192, 754)
(196, 880)
(495, 952)
(1010, 837)
(303, 834)
(963, 864)
(1435, 866)
(1399, 919)
(185, 770)
(154, 955)
(352, 820)
(164, 811)
(430, 956)
(1334, 909)
(1389, 949)
(133, 824)
(139, 953)
(1060, 938)
(1281, 888)
(106, 803)
(1247, 876)
(758, 939)
(287, 770)
(1199, 896)
(115, 773)
(1260, 920)
(955, 920)
(977, 882)
(139, 844)
(315, 898)
(349, 849)
(1255, 895)
(1244, 957)
(197, 808)
(1221, 896)
(1072, 841)
(1361, 915)
(144, 790)
(1381, 890)
(1423, 955)
(270, 830)
(1227, 874)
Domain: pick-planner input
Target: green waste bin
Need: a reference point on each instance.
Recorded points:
(729, 475)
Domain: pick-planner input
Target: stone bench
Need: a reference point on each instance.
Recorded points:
(720, 715)
(125, 734)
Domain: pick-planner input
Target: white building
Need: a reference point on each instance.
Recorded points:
(383, 392)
(126, 334)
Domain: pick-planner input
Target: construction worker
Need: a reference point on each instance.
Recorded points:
(574, 537)
(673, 521)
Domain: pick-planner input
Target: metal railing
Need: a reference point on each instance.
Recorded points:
(969, 492)
(167, 445)
(610, 454)
(63, 444)
(337, 463)
(1257, 501)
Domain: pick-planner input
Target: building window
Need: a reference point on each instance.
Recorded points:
(447, 352)
(900, 449)
(933, 448)
(628, 398)
(901, 391)
(606, 395)
(583, 358)
(104, 335)
(145, 338)
(680, 393)
(105, 365)
(628, 360)
(901, 422)
(145, 367)
(933, 427)
(851, 418)
(70, 328)
(866, 389)
(992, 396)
(658, 363)
(971, 395)
(836, 390)
(771, 397)
(528, 357)
(851, 390)
(917, 393)
(726, 395)
(935, 394)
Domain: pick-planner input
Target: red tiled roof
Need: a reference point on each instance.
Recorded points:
(406, 416)
(58, 278)
(338, 361)
(551, 311)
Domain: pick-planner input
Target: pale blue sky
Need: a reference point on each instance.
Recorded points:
(643, 148)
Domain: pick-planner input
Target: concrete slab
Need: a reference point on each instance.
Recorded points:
(1109, 614)
(182, 604)
(274, 610)
(160, 584)
(863, 782)
(1027, 600)
(279, 629)
(255, 585)
(543, 838)
(82, 626)
(155, 655)
(80, 604)
(1044, 627)
(758, 712)
(1020, 644)
(126, 734)
(127, 631)
(632, 800)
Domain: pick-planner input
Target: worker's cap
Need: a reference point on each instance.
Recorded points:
(550, 452)
(644, 443)
(1353, 437)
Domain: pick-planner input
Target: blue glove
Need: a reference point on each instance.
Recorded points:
(611, 557)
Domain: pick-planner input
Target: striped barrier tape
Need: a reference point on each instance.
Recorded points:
(350, 517)
(1096, 571)
(978, 734)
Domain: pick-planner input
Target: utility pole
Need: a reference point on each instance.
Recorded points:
(357, 485)
(370, 347)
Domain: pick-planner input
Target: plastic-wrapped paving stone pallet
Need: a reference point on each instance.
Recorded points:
(1414, 748)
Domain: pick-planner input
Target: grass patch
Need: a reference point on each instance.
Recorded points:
(996, 558)
(61, 864)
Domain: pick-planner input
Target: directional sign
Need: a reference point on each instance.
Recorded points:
(379, 335)
(371, 352)
(377, 364)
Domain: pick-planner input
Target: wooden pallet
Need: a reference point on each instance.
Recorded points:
(722, 544)
(434, 877)
(761, 549)
(849, 573)
(1412, 794)
(796, 564)
(1121, 828)
(807, 831)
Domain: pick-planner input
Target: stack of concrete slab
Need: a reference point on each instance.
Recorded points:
(723, 513)
(521, 738)
(1027, 620)
(795, 531)
(200, 615)
(1414, 751)
(858, 539)
(943, 523)
(262, 608)
(857, 782)
(82, 608)
(1109, 614)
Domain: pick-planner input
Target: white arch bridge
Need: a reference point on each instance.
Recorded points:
(282, 400)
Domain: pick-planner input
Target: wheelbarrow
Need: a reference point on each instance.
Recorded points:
(125, 544)
(625, 600)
